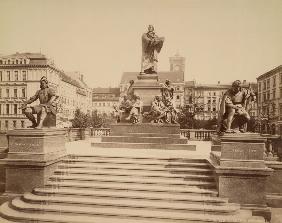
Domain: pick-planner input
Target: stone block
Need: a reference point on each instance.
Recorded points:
(32, 157)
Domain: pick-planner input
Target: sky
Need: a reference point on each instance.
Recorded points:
(222, 40)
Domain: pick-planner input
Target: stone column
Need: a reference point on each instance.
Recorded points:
(242, 173)
(32, 157)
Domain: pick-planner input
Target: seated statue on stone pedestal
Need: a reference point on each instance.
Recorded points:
(46, 110)
(233, 109)
(131, 108)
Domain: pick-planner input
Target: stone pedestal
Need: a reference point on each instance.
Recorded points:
(147, 87)
(242, 173)
(32, 157)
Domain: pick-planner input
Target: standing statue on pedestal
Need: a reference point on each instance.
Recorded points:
(151, 47)
(46, 110)
(233, 109)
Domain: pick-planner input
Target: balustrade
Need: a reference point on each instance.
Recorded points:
(197, 134)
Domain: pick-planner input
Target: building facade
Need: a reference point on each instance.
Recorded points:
(270, 100)
(105, 99)
(20, 76)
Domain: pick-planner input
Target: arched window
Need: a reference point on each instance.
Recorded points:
(8, 61)
(1, 62)
(17, 61)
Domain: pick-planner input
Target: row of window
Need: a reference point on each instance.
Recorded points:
(15, 61)
(264, 85)
(13, 76)
(9, 124)
(15, 93)
(103, 104)
(10, 109)
(266, 95)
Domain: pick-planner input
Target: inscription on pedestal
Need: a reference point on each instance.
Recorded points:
(242, 151)
(24, 145)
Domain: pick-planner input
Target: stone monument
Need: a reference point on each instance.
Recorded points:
(238, 162)
(33, 153)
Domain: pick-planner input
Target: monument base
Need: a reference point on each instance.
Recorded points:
(32, 158)
(147, 86)
(241, 172)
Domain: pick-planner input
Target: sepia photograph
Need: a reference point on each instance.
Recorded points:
(141, 111)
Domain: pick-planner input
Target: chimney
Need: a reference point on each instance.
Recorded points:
(244, 82)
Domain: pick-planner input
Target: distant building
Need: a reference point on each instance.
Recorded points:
(20, 74)
(74, 94)
(104, 99)
(270, 100)
(208, 98)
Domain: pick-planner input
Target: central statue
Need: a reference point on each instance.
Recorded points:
(151, 47)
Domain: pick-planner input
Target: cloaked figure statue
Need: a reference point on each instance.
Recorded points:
(233, 109)
(151, 47)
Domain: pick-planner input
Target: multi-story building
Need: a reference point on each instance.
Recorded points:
(175, 75)
(74, 94)
(104, 99)
(270, 100)
(208, 98)
(20, 74)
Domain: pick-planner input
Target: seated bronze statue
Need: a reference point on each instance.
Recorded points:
(46, 110)
(233, 109)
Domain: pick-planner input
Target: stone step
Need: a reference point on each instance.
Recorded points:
(188, 170)
(131, 179)
(121, 128)
(134, 174)
(102, 216)
(134, 139)
(196, 195)
(139, 162)
(131, 186)
(126, 212)
(138, 134)
(144, 146)
(131, 203)
(137, 159)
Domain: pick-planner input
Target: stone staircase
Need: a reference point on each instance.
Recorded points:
(106, 189)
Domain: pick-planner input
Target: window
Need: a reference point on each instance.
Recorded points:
(268, 95)
(259, 86)
(177, 97)
(8, 76)
(23, 92)
(1, 77)
(264, 85)
(22, 124)
(15, 93)
(7, 109)
(24, 75)
(1, 62)
(264, 97)
(273, 94)
(268, 83)
(209, 101)
(0, 93)
(214, 93)
(274, 81)
(0, 109)
(15, 109)
(6, 124)
(16, 75)
(280, 78)
(214, 101)
(259, 98)
(7, 93)
(14, 124)
(17, 61)
(281, 92)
